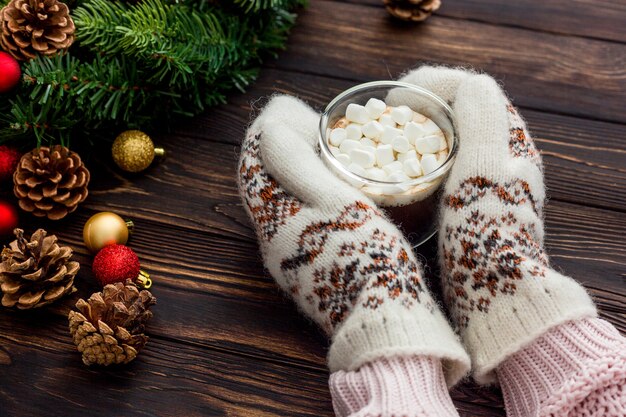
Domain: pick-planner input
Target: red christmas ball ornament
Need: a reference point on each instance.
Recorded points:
(9, 157)
(10, 72)
(118, 263)
(8, 219)
(115, 263)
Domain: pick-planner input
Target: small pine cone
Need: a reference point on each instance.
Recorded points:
(413, 10)
(51, 182)
(37, 272)
(35, 27)
(109, 327)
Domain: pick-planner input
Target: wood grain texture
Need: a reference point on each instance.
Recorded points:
(601, 19)
(224, 340)
(170, 379)
(562, 74)
(585, 159)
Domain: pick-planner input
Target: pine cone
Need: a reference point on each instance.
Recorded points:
(32, 27)
(413, 10)
(51, 182)
(109, 328)
(37, 272)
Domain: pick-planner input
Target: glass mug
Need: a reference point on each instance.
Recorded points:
(411, 204)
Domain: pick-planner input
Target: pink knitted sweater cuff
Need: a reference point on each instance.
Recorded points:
(411, 386)
(575, 369)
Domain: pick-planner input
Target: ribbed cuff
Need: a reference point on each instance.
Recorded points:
(394, 331)
(514, 322)
(400, 386)
(575, 369)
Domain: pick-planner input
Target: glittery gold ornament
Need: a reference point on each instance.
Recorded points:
(133, 151)
(105, 228)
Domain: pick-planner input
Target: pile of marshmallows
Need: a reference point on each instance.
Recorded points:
(385, 143)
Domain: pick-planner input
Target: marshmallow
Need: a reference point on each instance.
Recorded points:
(389, 134)
(442, 142)
(429, 163)
(357, 169)
(363, 157)
(376, 174)
(374, 190)
(348, 145)
(398, 176)
(367, 142)
(430, 127)
(384, 143)
(401, 114)
(428, 144)
(395, 189)
(384, 155)
(337, 136)
(387, 120)
(353, 131)
(343, 158)
(372, 129)
(400, 144)
(393, 167)
(412, 168)
(413, 131)
(357, 113)
(411, 154)
(375, 108)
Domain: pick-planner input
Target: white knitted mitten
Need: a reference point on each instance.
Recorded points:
(328, 247)
(499, 287)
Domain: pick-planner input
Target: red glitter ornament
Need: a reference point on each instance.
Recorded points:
(8, 219)
(10, 72)
(9, 157)
(115, 263)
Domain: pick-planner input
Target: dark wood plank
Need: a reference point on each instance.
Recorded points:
(561, 74)
(222, 278)
(213, 294)
(169, 378)
(225, 341)
(602, 19)
(585, 160)
(218, 315)
(199, 247)
(40, 371)
(225, 281)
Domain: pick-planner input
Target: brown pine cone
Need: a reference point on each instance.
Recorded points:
(109, 329)
(51, 182)
(37, 272)
(413, 10)
(35, 27)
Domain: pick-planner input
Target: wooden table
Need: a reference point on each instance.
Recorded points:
(224, 341)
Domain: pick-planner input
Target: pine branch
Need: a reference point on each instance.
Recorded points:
(200, 53)
(258, 5)
(139, 65)
(61, 93)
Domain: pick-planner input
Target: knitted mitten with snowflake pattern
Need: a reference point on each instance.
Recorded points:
(497, 283)
(519, 319)
(329, 247)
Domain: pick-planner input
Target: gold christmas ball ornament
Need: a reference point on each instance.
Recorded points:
(134, 151)
(104, 229)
